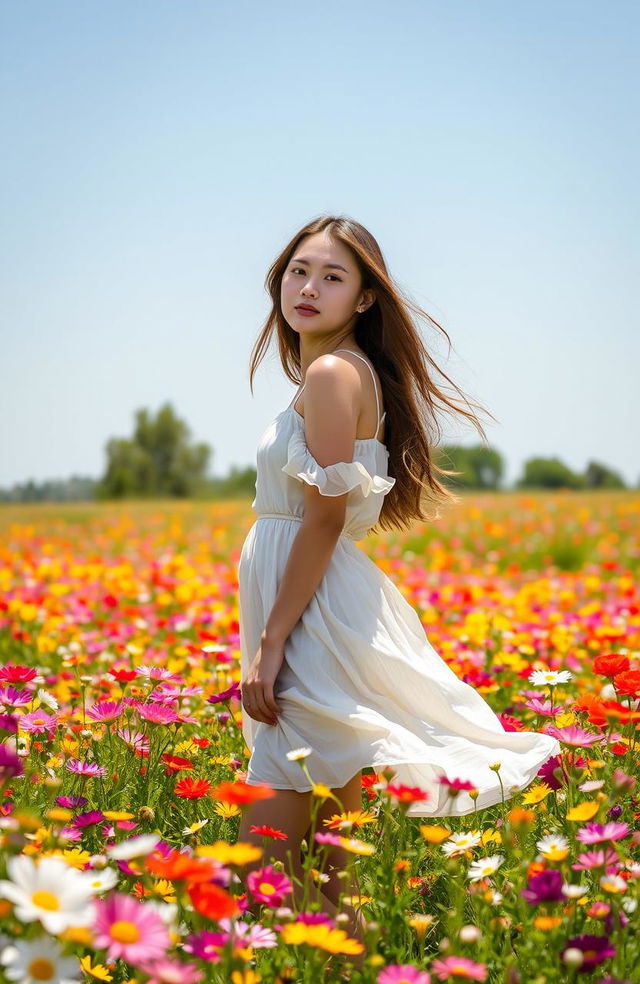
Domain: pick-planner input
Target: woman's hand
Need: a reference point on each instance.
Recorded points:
(257, 687)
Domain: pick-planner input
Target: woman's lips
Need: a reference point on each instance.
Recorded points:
(306, 312)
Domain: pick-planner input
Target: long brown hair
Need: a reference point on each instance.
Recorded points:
(387, 333)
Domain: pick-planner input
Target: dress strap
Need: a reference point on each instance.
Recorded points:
(366, 362)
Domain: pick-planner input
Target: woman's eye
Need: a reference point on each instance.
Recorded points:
(295, 270)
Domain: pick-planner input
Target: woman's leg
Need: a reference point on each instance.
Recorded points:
(350, 797)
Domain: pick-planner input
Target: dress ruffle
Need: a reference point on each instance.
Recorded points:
(335, 479)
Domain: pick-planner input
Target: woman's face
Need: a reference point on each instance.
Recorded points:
(323, 274)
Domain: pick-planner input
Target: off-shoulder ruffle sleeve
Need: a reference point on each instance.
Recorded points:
(332, 479)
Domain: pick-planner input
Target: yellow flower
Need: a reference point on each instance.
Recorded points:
(355, 846)
(354, 817)
(77, 934)
(321, 936)
(434, 834)
(583, 811)
(117, 815)
(536, 794)
(98, 971)
(421, 924)
(74, 857)
(164, 889)
(226, 810)
(547, 922)
(59, 813)
(321, 790)
(246, 976)
(491, 835)
(239, 853)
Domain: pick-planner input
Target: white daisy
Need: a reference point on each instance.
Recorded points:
(549, 678)
(298, 754)
(461, 842)
(135, 847)
(101, 881)
(552, 843)
(39, 962)
(484, 867)
(51, 891)
(574, 891)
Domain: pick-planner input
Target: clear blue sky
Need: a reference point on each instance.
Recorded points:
(158, 155)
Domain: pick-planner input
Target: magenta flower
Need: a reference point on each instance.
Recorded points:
(9, 723)
(594, 833)
(105, 710)
(71, 802)
(206, 945)
(597, 859)
(232, 692)
(11, 673)
(459, 967)
(157, 713)
(38, 722)
(11, 697)
(10, 764)
(88, 819)
(403, 974)
(314, 918)
(268, 886)
(595, 950)
(573, 735)
(91, 769)
(129, 930)
(544, 887)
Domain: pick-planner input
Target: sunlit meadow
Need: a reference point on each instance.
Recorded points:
(122, 763)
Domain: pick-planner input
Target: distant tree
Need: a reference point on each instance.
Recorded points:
(158, 460)
(599, 476)
(239, 483)
(480, 467)
(549, 473)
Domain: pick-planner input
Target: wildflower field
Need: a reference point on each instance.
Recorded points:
(122, 763)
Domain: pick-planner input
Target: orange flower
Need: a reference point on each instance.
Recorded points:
(192, 788)
(212, 901)
(179, 867)
(241, 793)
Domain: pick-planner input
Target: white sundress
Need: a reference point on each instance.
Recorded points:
(360, 683)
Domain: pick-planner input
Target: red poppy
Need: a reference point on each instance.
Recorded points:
(123, 676)
(267, 831)
(608, 664)
(176, 764)
(627, 682)
(192, 789)
(241, 793)
(179, 867)
(407, 794)
(212, 901)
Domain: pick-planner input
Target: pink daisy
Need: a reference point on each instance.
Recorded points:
(38, 722)
(593, 833)
(17, 674)
(91, 769)
(171, 972)
(157, 713)
(129, 930)
(573, 735)
(460, 968)
(403, 974)
(105, 710)
(268, 886)
(597, 859)
(134, 739)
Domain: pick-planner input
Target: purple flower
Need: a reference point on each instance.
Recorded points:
(313, 918)
(10, 764)
(206, 945)
(15, 698)
(595, 950)
(8, 722)
(231, 692)
(544, 887)
(71, 802)
(88, 819)
(86, 768)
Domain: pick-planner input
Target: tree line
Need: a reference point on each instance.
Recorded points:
(159, 460)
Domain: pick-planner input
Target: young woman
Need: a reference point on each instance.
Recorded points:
(334, 659)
